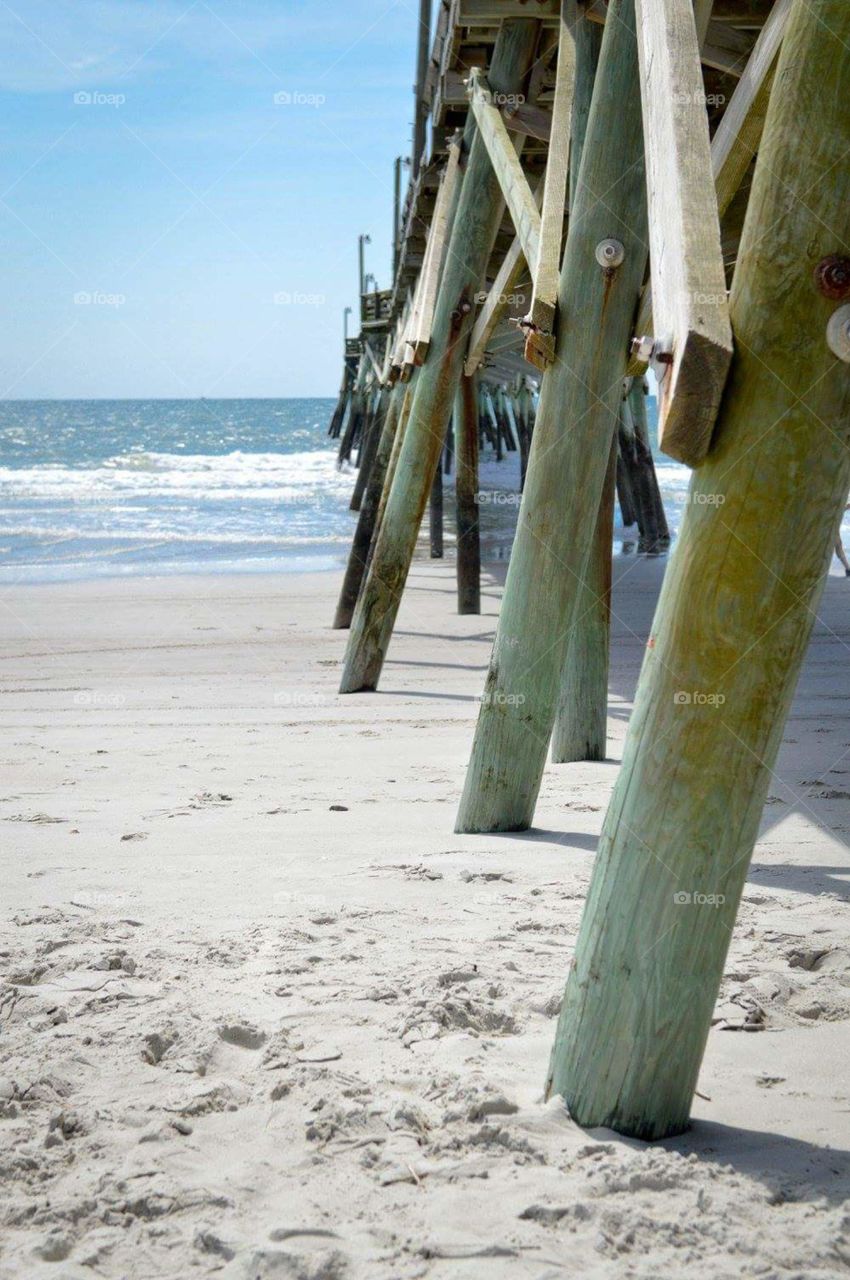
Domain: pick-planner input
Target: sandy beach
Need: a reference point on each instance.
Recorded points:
(264, 1015)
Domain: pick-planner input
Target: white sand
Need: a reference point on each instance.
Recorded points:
(243, 1033)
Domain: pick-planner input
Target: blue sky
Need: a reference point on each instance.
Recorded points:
(158, 207)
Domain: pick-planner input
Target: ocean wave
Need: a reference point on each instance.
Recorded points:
(237, 476)
(151, 534)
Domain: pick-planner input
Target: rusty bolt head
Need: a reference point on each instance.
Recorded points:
(832, 277)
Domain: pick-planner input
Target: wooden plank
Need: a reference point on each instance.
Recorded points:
(373, 360)
(570, 450)
(477, 13)
(540, 341)
(506, 165)
(693, 334)
(435, 252)
(736, 138)
(719, 674)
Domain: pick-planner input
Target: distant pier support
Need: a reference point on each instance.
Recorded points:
(472, 231)
(466, 498)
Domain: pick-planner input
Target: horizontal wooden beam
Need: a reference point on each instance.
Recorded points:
(477, 13)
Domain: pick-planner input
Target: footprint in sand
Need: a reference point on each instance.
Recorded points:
(242, 1034)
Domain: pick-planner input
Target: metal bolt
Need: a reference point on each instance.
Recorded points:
(838, 334)
(832, 277)
(642, 348)
(610, 253)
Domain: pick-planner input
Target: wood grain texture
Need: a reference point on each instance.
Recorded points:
(690, 308)
(730, 631)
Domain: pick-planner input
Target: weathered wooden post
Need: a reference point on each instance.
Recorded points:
(732, 625)
(602, 271)
(473, 231)
(436, 512)
(341, 404)
(625, 495)
(581, 722)
(655, 534)
(372, 428)
(355, 413)
(495, 433)
(466, 498)
(367, 518)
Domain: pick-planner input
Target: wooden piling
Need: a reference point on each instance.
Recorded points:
(731, 628)
(473, 231)
(567, 467)
(581, 723)
(652, 520)
(371, 435)
(358, 554)
(625, 495)
(466, 498)
(436, 512)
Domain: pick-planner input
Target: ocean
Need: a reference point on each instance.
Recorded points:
(115, 487)
(97, 488)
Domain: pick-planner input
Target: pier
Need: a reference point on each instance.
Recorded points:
(598, 192)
